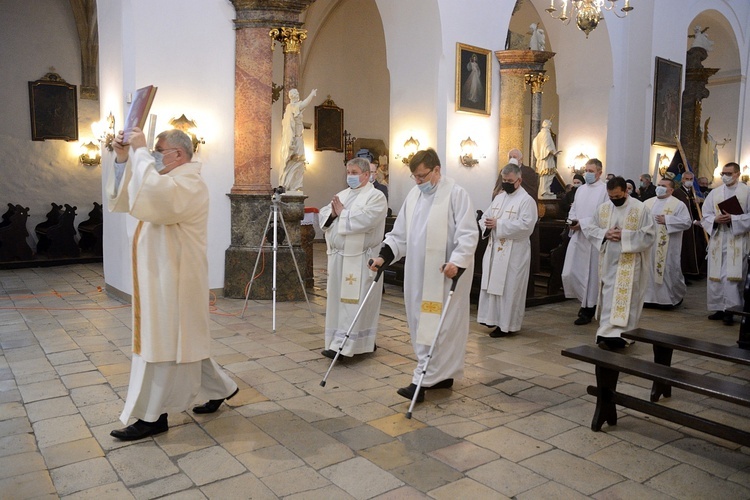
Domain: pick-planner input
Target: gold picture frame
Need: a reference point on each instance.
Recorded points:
(473, 79)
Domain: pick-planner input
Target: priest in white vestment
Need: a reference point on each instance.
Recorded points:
(353, 224)
(623, 231)
(580, 275)
(728, 245)
(666, 285)
(508, 223)
(437, 232)
(171, 361)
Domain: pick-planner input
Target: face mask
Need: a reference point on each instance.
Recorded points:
(618, 202)
(589, 177)
(687, 184)
(509, 187)
(727, 179)
(643, 184)
(158, 160)
(427, 187)
(372, 177)
(352, 181)
(661, 191)
(576, 185)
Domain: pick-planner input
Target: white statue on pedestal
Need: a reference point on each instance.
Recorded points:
(700, 39)
(292, 145)
(538, 41)
(545, 151)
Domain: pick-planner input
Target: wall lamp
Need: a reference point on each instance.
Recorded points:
(411, 146)
(468, 149)
(664, 162)
(579, 162)
(189, 127)
(104, 131)
(90, 154)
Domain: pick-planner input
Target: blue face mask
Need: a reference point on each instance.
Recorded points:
(427, 187)
(158, 160)
(353, 181)
(589, 177)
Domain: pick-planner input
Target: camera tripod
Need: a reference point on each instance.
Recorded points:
(275, 215)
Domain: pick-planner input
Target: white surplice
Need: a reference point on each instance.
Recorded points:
(727, 249)
(636, 241)
(666, 285)
(580, 275)
(507, 260)
(171, 336)
(364, 213)
(409, 239)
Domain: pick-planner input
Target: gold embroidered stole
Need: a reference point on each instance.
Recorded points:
(623, 290)
(136, 293)
(662, 236)
(354, 247)
(735, 244)
(436, 240)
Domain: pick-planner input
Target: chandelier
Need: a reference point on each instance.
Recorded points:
(587, 13)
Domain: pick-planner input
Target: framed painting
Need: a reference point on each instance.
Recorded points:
(473, 79)
(667, 103)
(54, 109)
(329, 127)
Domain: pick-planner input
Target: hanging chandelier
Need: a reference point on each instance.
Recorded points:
(587, 13)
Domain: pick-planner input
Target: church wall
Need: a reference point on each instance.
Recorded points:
(34, 37)
(190, 59)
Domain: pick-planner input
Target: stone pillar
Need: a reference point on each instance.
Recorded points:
(535, 80)
(291, 39)
(251, 193)
(696, 78)
(514, 66)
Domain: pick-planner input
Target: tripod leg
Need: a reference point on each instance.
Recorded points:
(255, 268)
(296, 267)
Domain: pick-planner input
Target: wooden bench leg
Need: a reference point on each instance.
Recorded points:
(606, 384)
(662, 356)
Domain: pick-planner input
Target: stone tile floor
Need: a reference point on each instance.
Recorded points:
(516, 426)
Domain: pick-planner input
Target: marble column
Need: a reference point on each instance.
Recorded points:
(251, 194)
(535, 81)
(291, 40)
(696, 78)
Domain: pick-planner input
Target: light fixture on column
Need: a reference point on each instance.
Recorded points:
(468, 150)
(587, 13)
(90, 154)
(411, 146)
(189, 127)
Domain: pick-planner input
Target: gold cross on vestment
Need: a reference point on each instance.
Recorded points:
(667, 211)
(510, 212)
(350, 279)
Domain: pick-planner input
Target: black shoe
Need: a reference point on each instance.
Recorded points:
(611, 343)
(213, 404)
(582, 320)
(443, 384)
(328, 353)
(497, 333)
(141, 429)
(728, 319)
(408, 392)
(717, 315)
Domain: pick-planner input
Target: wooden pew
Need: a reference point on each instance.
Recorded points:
(13, 234)
(53, 218)
(59, 239)
(91, 231)
(609, 365)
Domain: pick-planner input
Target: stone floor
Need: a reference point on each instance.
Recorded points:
(516, 426)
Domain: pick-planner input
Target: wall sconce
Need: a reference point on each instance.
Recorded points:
(664, 162)
(468, 149)
(745, 177)
(189, 127)
(411, 146)
(579, 162)
(90, 154)
(104, 131)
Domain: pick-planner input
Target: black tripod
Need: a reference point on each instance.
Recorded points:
(275, 215)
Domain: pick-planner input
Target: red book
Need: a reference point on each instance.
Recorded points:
(731, 206)
(139, 108)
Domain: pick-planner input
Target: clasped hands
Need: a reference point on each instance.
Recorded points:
(336, 206)
(613, 234)
(490, 222)
(448, 269)
(723, 218)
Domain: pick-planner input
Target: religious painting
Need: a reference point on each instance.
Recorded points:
(473, 78)
(667, 103)
(329, 127)
(54, 109)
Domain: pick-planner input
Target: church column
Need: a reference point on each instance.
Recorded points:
(250, 196)
(291, 40)
(535, 81)
(696, 78)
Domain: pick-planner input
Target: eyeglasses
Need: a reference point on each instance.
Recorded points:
(164, 151)
(420, 178)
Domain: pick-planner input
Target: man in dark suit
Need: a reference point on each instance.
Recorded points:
(693, 240)
(374, 179)
(647, 189)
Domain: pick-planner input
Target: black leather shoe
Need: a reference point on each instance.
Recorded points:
(141, 429)
(611, 343)
(717, 316)
(582, 320)
(328, 353)
(497, 333)
(728, 319)
(408, 392)
(443, 384)
(213, 404)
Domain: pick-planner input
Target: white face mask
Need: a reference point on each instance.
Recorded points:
(727, 179)
(687, 184)
(590, 177)
(661, 191)
(427, 187)
(159, 159)
(577, 184)
(352, 181)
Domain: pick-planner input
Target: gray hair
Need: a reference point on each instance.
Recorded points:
(362, 163)
(178, 139)
(646, 176)
(511, 168)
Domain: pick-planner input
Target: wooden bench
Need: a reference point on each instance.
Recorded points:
(664, 345)
(609, 365)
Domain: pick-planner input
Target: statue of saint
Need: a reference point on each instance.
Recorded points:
(292, 145)
(700, 39)
(545, 152)
(538, 40)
